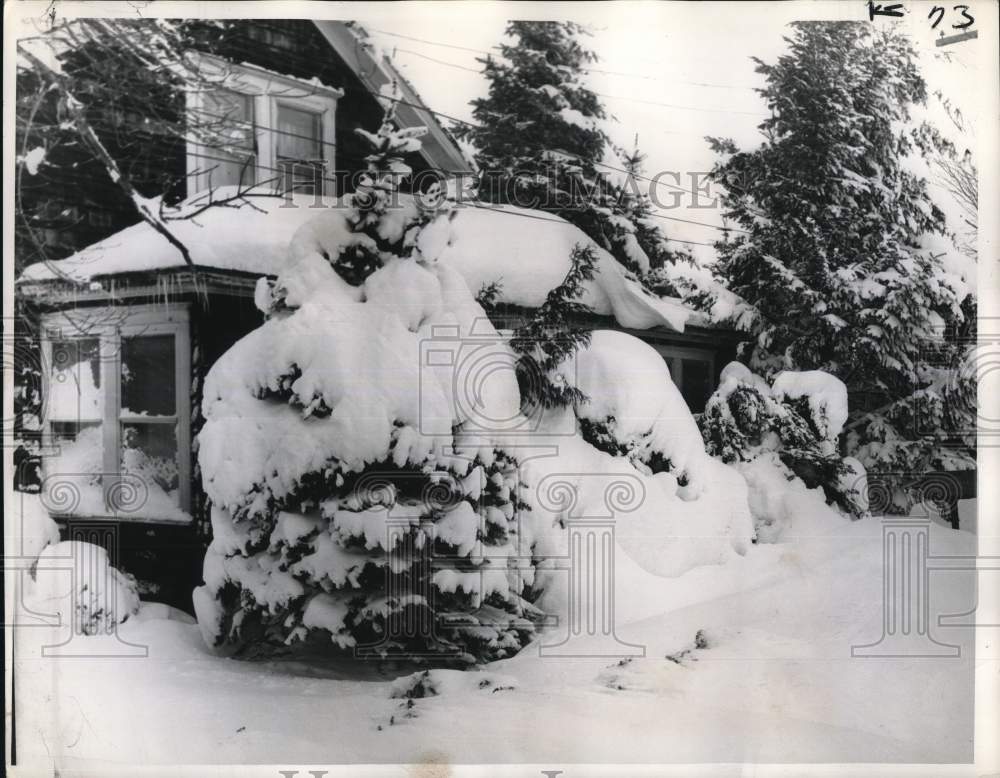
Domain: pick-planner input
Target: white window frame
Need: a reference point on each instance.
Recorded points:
(268, 90)
(110, 325)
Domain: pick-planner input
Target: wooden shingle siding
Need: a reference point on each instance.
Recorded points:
(72, 203)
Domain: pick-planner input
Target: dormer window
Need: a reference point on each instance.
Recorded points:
(299, 153)
(253, 128)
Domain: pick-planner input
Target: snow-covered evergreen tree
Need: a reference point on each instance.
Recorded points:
(539, 144)
(830, 273)
(347, 504)
(548, 338)
(368, 493)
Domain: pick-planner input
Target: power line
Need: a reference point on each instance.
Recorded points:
(624, 74)
(680, 107)
(701, 224)
(431, 43)
(691, 242)
(599, 94)
(601, 164)
(441, 61)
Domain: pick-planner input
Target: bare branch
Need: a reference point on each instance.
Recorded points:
(93, 144)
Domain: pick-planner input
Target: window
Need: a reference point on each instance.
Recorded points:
(299, 150)
(692, 371)
(116, 408)
(225, 125)
(254, 127)
(270, 36)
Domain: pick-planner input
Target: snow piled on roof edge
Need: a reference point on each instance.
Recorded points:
(526, 252)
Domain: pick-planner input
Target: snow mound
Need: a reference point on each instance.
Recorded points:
(827, 396)
(630, 393)
(533, 257)
(31, 524)
(657, 532)
(783, 506)
(639, 463)
(75, 580)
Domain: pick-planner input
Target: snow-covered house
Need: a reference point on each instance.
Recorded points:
(129, 327)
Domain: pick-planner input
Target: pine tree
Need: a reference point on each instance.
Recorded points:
(540, 145)
(830, 272)
(549, 337)
(345, 524)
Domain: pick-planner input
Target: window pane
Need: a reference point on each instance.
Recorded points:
(301, 177)
(696, 385)
(75, 387)
(73, 480)
(226, 128)
(149, 458)
(148, 376)
(672, 366)
(298, 134)
(227, 120)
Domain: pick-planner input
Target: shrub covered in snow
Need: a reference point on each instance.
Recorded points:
(75, 580)
(794, 423)
(632, 409)
(350, 505)
(70, 578)
(635, 433)
(365, 486)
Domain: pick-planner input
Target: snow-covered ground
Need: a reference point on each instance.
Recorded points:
(736, 652)
(773, 681)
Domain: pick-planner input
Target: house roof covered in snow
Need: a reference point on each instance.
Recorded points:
(525, 252)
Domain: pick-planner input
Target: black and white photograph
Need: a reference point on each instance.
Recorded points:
(434, 389)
